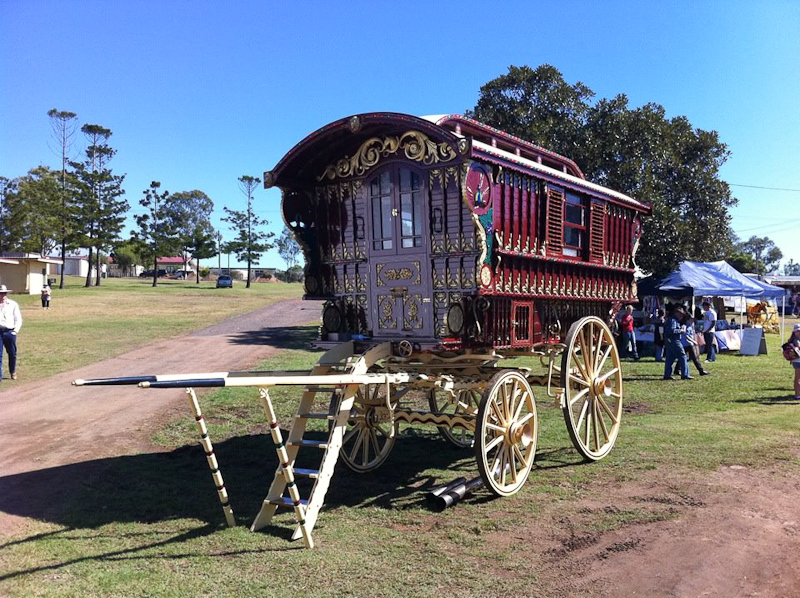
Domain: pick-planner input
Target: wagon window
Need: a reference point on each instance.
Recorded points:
(574, 225)
(381, 197)
(410, 209)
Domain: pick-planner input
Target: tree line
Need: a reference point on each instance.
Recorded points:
(82, 205)
(663, 161)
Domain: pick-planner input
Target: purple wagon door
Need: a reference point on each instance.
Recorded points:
(398, 251)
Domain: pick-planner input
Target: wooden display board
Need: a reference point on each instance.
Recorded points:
(753, 342)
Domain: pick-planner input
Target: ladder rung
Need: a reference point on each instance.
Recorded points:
(321, 444)
(306, 473)
(323, 389)
(327, 416)
(285, 501)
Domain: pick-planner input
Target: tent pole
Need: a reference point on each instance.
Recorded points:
(783, 317)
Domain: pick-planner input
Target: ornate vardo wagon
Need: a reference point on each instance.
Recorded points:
(440, 247)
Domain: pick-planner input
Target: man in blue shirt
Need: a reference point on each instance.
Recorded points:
(673, 346)
(709, 326)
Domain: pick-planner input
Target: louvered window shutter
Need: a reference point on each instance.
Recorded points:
(555, 221)
(596, 232)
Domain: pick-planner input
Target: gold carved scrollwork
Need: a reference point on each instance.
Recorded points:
(399, 274)
(378, 280)
(415, 145)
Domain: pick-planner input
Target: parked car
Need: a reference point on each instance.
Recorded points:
(224, 282)
(182, 274)
(149, 274)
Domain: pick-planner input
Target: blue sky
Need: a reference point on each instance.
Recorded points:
(199, 93)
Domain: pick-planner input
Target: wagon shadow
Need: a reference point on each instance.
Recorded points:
(282, 337)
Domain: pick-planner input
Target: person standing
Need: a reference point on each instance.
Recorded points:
(628, 333)
(709, 327)
(46, 293)
(689, 343)
(792, 349)
(672, 343)
(10, 323)
(658, 334)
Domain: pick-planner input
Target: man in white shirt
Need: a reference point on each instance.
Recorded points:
(709, 326)
(10, 323)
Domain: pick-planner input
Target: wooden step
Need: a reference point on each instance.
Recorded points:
(320, 444)
(285, 501)
(302, 472)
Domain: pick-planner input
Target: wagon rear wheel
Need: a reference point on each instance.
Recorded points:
(591, 376)
(466, 403)
(370, 434)
(506, 432)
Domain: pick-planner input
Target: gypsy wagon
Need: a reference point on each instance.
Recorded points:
(440, 247)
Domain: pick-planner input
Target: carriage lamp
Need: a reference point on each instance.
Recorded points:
(455, 318)
(332, 319)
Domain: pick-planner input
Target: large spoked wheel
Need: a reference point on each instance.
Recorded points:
(592, 380)
(506, 432)
(370, 434)
(466, 403)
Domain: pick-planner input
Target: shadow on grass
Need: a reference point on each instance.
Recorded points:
(283, 337)
(781, 399)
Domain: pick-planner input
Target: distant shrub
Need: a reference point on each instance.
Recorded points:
(204, 272)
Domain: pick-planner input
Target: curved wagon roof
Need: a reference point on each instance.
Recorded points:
(306, 162)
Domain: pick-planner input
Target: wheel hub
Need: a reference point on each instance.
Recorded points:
(520, 433)
(602, 387)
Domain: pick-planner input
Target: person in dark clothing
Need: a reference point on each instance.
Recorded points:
(672, 343)
(658, 334)
(689, 343)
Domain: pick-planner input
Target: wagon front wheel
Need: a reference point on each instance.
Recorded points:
(506, 432)
(370, 434)
(465, 403)
(591, 376)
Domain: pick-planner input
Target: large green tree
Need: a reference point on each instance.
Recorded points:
(100, 209)
(157, 230)
(249, 242)
(663, 161)
(766, 256)
(288, 247)
(31, 211)
(191, 213)
(64, 125)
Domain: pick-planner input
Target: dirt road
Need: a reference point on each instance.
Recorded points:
(49, 422)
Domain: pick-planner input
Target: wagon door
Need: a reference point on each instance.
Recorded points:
(401, 304)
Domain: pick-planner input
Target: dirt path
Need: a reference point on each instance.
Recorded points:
(48, 423)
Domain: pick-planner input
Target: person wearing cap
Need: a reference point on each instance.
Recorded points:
(709, 327)
(794, 341)
(673, 330)
(10, 323)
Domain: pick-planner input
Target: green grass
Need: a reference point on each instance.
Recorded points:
(151, 525)
(85, 325)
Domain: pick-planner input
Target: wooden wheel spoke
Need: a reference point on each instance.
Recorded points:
(602, 423)
(574, 378)
(365, 446)
(493, 443)
(582, 415)
(512, 465)
(586, 353)
(607, 409)
(607, 375)
(498, 415)
(588, 430)
(373, 438)
(521, 457)
(576, 357)
(356, 445)
(595, 427)
(495, 428)
(526, 419)
(578, 396)
(352, 432)
(602, 360)
(522, 401)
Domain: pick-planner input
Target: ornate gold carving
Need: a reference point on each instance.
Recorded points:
(434, 176)
(418, 280)
(415, 145)
(438, 279)
(378, 280)
(411, 319)
(386, 311)
(440, 299)
(399, 274)
(355, 124)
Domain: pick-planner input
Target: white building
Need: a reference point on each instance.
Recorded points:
(25, 272)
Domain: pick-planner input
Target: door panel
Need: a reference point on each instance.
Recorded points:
(401, 304)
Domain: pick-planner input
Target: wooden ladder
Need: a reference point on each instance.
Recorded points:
(307, 511)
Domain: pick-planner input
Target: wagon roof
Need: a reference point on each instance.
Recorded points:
(343, 137)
